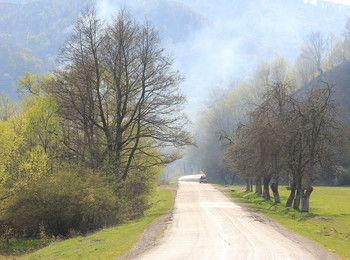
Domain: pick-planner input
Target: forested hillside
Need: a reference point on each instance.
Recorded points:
(204, 36)
(30, 37)
(32, 32)
(339, 76)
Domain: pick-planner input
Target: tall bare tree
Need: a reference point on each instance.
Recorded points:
(118, 92)
(314, 50)
(346, 32)
(319, 125)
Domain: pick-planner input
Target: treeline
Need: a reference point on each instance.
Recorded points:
(84, 146)
(282, 124)
(288, 135)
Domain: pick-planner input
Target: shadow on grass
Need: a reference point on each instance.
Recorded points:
(22, 245)
(270, 207)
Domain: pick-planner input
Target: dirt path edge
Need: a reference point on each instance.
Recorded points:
(152, 233)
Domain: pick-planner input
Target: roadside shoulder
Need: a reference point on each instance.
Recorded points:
(258, 216)
(153, 231)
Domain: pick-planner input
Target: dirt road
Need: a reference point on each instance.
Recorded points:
(206, 224)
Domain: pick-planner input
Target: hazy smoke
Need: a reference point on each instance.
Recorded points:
(216, 43)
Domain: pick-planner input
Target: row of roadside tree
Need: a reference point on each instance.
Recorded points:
(283, 124)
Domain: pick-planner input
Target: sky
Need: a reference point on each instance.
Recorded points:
(344, 2)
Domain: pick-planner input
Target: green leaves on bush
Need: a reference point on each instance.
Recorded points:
(71, 200)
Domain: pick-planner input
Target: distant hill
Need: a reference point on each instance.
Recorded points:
(30, 35)
(339, 76)
(31, 32)
(277, 24)
(213, 41)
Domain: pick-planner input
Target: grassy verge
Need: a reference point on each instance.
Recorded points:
(22, 245)
(107, 243)
(327, 224)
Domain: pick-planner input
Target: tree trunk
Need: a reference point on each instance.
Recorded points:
(296, 204)
(266, 192)
(305, 199)
(291, 197)
(247, 185)
(258, 188)
(292, 193)
(276, 195)
(251, 184)
(274, 185)
(306, 192)
(233, 178)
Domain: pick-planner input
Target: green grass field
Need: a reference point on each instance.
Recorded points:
(327, 224)
(107, 243)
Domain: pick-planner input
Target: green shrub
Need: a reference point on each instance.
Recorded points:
(135, 192)
(74, 200)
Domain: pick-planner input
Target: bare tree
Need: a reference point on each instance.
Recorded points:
(319, 125)
(274, 109)
(117, 90)
(314, 50)
(240, 156)
(309, 139)
(287, 134)
(346, 32)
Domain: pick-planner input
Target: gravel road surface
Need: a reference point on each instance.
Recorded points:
(206, 224)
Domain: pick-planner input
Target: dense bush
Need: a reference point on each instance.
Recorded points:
(71, 200)
(135, 191)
